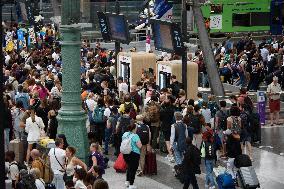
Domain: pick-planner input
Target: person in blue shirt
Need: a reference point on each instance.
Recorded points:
(132, 159)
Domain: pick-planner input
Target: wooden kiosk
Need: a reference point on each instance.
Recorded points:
(165, 69)
(132, 64)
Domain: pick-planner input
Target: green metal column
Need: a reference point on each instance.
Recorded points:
(71, 118)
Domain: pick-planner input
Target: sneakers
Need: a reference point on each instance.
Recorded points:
(127, 184)
(212, 187)
(140, 174)
(170, 158)
(132, 187)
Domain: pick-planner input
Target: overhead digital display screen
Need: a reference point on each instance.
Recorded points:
(163, 36)
(167, 36)
(118, 27)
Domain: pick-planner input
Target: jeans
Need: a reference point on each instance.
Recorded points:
(209, 180)
(132, 161)
(108, 134)
(178, 154)
(7, 138)
(58, 181)
(241, 82)
(19, 134)
(190, 178)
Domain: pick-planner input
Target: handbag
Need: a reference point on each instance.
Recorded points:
(202, 150)
(65, 176)
(42, 132)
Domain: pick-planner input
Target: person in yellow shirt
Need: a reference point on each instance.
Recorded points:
(37, 161)
(127, 101)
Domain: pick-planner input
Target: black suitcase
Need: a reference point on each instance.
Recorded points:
(242, 160)
(248, 178)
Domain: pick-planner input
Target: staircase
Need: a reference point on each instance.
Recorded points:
(6, 13)
(47, 12)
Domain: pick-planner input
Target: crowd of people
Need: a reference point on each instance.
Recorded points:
(134, 120)
(245, 62)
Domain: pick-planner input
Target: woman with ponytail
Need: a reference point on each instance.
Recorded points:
(34, 127)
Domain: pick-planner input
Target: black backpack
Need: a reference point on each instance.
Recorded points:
(248, 103)
(209, 150)
(124, 122)
(223, 120)
(143, 133)
(130, 106)
(195, 123)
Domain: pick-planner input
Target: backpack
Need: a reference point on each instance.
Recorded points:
(28, 182)
(195, 123)
(248, 102)
(180, 137)
(175, 88)
(124, 122)
(20, 165)
(143, 133)
(98, 115)
(125, 147)
(209, 150)
(133, 113)
(245, 121)
(236, 129)
(153, 112)
(47, 171)
(23, 98)
(223, 120)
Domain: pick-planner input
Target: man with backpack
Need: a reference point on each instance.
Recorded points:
(122, 123)
(175, 86)
(13, 166)
(221, 123)
(110, 127)
(99, 121)
(245, 99)
(208, 152)
(129, 105)
(197, 122)
(23, 97)
(143, 131)
(246, 130)
(191, 165)
(178, 136)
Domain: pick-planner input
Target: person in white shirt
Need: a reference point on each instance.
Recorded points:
(205, 111)
(122, 87)
(274, 91)
(40, 184)
(13, 173)
(57, 158)
(34, 128)
(80, 175)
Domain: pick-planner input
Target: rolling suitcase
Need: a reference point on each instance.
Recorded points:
(150, 167)
(242, 160)
(248, 178)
